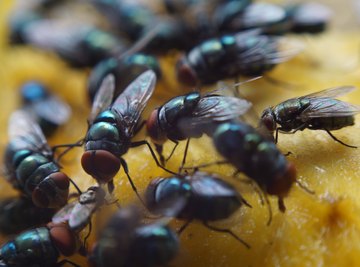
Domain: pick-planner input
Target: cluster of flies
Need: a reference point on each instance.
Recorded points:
(221, 39)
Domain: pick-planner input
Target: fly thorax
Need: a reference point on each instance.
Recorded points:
(157, 244)
(269, 163)
(212, 52)
(196, 61)
(105, 136)
(172, 188)
(104, 128)
(168, 116)
(170, 192)
(19, 156)
(288, 111)
(34, 167)
(172, 110)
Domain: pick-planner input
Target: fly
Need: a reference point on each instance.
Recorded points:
(316, 111)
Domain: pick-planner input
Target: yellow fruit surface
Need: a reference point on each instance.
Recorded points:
(320, 229)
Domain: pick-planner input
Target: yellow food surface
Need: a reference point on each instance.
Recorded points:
(320, 229)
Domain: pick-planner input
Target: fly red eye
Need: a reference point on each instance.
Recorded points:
(63, 238)
(100, 164)
(268, 120)
(39, 198)
(185, 74)
(153, 129)
(45, 198)
(282, 184)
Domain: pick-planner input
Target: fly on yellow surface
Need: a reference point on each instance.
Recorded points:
(319, 229)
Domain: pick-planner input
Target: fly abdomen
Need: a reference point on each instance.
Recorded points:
(30, 248)
(210, 55)
(331, 123)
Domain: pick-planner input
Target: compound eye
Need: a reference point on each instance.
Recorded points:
(154, 130)
(63, 238)
(185, 73)
(269, 122)
(100, 164)
(59, 183)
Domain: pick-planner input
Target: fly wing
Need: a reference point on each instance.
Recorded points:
(103, 97)
(23, 127)
(172, 207)
(53, 109)
(327, 107)
(130, 104)
(267, 49)
(60, 36)
(206, 185)
(63, 215)
(331, 92)
(254, 16)
(216, 108)
(323, 104)
(81, 215)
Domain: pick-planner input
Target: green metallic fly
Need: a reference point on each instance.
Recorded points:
(317, 111)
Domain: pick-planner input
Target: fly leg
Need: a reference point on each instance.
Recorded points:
(337, 140)
(68, 148)
(75, 185)
(87, 235)
(173, 150)
(280, 129)
(195, 168)
(276, 135)
(263, 198)
(227, 231)
(185, 154)
(159, 150)
(269, 209)
(279, 83)
(237, 92)
(63, 262)
(144, 142)
(184, 226)
(126, 170)
(139, 126)
(111, 186)
(304, 187)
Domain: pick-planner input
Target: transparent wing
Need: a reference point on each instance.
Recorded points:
(172, 207)
(327, 107)
(63, 215)
(268, 49)
(312, 12)
(323, 104)
(22, 126)
(130, 104)
(331, 92)
(53, 109)
(103, 97)
(55, 36)
(81, 215)
(260, 15)
(206, 185)
(217, 108)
